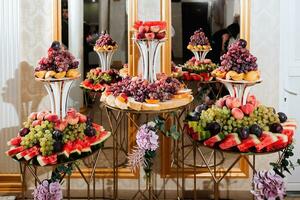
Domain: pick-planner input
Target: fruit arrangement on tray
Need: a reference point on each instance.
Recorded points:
(138, 94)
(199, 42)
(58, 64)
(97, 80)
(238, 64)
(47, 140)
(105, 43)
(150, 30)
(231, 126)
(195, 70)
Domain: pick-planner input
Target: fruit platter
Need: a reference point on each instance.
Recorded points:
(232, 127)
(137, 93)
(195, 70)
(238, 65)
(199, 44)
(59, 64)
(97, 80)
(47, 140)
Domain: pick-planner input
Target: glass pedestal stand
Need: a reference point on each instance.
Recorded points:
(105, 59)
(148, 51)
(200, 55)
(239, 89)
(58, 92)
(88, 179)
(136, 119)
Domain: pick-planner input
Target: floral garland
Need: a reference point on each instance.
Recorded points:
(50, 189)
(147, 143)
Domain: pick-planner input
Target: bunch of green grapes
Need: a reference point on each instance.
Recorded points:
(264, 116)
(73, 132)
(36, 133)
(220, 115)
(46, 143)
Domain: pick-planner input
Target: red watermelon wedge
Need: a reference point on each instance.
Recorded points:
(231, 140)
(246, 144)
(266, 139)
(213, 140)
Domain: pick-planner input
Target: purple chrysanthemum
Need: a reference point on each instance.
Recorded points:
(268, 185)
(48, 191)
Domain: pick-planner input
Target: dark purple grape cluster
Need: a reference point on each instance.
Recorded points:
(199, 38)
(140, 89)
(58, 60)
(105, 40)
(238, 58)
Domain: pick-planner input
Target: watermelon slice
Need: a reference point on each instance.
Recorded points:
(231, 140)
(87, 84)
(21, 155)
(47, 160)
(281, 143)
(16, 141)
(213, 140)
(32, 152)
(289, 131)
(14, 150)
(266, 139)
(246, 144)
(291, 123)
(68, 147)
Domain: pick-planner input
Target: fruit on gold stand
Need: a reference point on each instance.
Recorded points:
(60, 75)
(214, 128)
(50, 74)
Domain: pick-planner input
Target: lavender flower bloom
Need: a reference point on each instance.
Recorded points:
(46, 191)
(268, 185)
(55, 191)
(146, 138)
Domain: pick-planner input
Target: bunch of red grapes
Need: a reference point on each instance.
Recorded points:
(199, 38)
(58, 60)
(105, 40)
(140, 89)
(238, 58)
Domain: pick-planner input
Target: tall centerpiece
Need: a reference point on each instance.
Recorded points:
(238, 70)
(199, 44)
(149, 37)
(57, 71)
(105, 47)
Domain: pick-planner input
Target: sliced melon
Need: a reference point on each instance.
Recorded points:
(16, 141)
(266, 139)
(231, 140)
(246, 144)
(213, 140)
(14, 150)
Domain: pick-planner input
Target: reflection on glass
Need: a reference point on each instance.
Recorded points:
(99, 15)
(218, 18)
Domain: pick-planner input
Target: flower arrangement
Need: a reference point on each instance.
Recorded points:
(147, 144)
(51, 189)
(268, 186)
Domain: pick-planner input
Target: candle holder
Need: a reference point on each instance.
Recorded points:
(105, 59)
(58, 92)
(148, 51)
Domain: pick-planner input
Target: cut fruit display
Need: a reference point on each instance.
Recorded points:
(150, 30)
(46, 139)
(139, 94)
(195, 70)
(199, 42)
(105, 43)
(238, 64)
(97, 80)
(231, 126)
(59, 64)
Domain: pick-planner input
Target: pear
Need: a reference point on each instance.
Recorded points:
(72, 73)
(40, 74)
(50, 74)
(60, 75)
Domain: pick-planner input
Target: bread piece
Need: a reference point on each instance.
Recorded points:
(134, 104)
(150, 106)
(121, 104)
(111, 100)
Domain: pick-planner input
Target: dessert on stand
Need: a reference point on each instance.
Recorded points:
(62, 136)
(238, 123)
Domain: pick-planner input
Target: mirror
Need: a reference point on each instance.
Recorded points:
(99, 16)
(219, 20)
